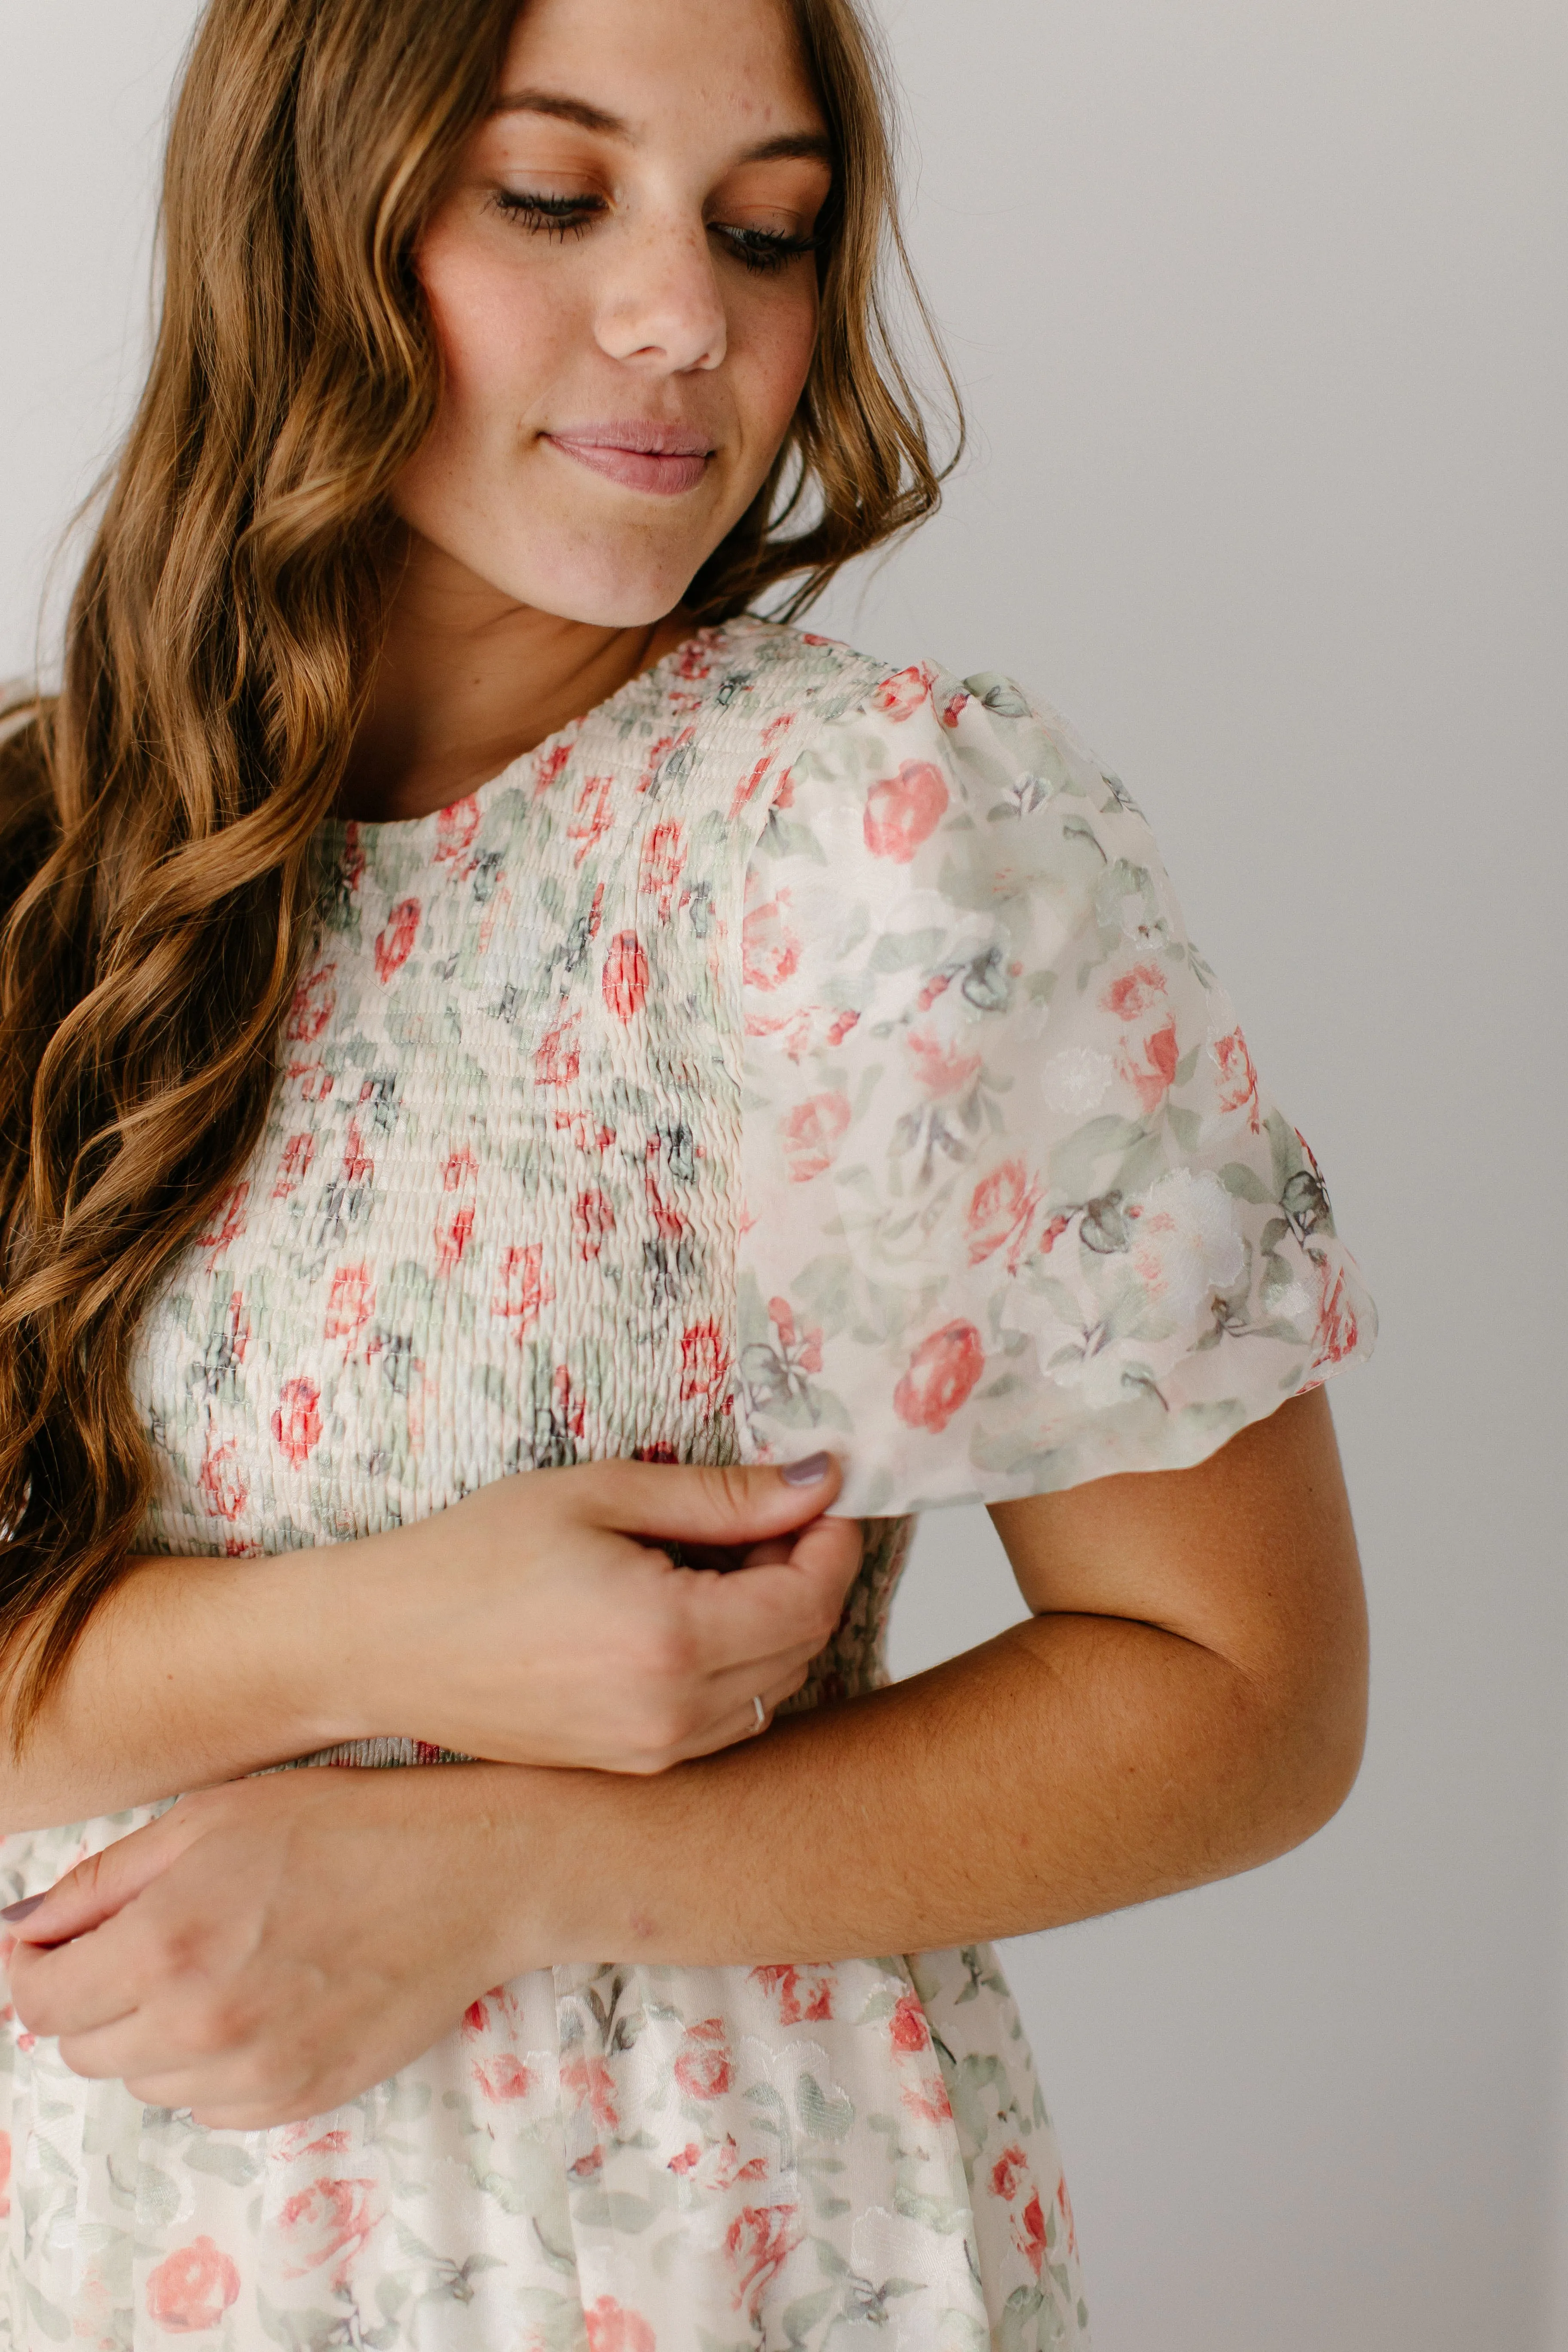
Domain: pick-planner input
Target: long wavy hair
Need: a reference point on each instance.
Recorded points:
(156, 817)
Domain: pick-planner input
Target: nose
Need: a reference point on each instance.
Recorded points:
(661, 307)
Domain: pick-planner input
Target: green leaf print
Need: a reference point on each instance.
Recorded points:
(209, 2154)
(1244, 1183)
(822, 2117)
(798, 2318)
(56, 2325)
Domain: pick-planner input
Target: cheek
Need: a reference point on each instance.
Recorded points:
(770, 358)
(499, 337)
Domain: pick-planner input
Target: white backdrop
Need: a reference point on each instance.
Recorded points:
(1260, 314)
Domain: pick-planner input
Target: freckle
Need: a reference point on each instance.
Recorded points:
(641, 1926)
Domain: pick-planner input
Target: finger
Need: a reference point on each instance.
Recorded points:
(101, 1885)
(777, 1606)
(729, 1505)
(94, 1980)
(741, 1722)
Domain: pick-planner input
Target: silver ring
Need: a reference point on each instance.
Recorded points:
(761, 1715)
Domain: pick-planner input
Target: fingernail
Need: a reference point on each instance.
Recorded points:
(809, 1472)
(24, 1910)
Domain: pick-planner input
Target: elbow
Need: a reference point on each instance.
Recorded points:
(1310, 1740)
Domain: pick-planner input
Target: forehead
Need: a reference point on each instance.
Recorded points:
(642, 67)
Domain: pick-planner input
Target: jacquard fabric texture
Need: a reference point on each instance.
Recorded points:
(791, 1052)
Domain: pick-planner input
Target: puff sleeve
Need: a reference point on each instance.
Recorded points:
(1015, 1210)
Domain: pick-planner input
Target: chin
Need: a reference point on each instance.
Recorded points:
(607, 597)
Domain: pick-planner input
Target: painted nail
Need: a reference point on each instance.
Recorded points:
(17, 1911)
(809, 1472)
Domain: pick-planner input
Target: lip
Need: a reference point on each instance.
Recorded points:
(666, 459)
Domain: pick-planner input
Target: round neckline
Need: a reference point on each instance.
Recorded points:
(562, 738)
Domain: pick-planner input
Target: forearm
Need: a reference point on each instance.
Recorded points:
(194, 1671)
(533, 1620)
(1074, 1765)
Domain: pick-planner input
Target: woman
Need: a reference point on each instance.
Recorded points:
(477, 1001)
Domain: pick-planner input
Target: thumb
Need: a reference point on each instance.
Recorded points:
(100, 1887)
(695, 1503)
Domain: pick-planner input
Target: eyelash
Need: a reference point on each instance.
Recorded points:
(761, 250)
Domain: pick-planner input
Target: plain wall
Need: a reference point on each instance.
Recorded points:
(1259, 313)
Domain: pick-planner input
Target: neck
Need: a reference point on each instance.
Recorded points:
(467, 681)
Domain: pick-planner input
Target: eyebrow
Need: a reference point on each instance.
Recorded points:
(789, 147)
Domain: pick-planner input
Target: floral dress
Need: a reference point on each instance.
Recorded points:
(791, 1053)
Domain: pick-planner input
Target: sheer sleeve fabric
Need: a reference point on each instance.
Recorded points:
(1017, 1211)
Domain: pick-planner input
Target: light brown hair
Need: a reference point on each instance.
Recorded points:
(157, 817)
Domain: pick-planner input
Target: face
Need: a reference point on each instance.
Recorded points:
(623, 280)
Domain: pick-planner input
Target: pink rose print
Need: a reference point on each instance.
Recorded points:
(613, 2328)
(759, 2242)
(625, 976)
(330, 2222)
(904, 810)
(1238, 1077)
(954, 709)
(910, 2035)
(353, 866)
(901, 697)
(294, 2141)
(523, 1291)
(663, 861)
(503, 2078)
(704, 1362)
(716, 2166)
(940, 1068)
(296, 1423)
(704, 2066)
(1152, 1078)
(350, 1305)
(1011, 2169)
(557, 1062)
(1029, 2233)
(192, 2288)
(592, 1220)
(590, 2082)
(394, 943)
(769, 949)
(315, 1002)
(570, 1411)
(1063, 2207)
(224, 1491)
(294, 1166)
(455, 830)
(941, 1377)
(1001, 1212)
(928, 2101)
(226, 1225)
(587, 1134)
(907, 2026)
(1338, 1332)
(6, 2160)
(593, 816)
(802, 1995)
(1135, 992)
(811, 1134)
(550, 769)
(452, 1235)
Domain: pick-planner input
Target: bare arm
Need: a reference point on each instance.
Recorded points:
(1189, 1702)
(468, 1631)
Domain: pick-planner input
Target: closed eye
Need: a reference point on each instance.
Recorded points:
(762, 250)
(759, 250)
(557, 216)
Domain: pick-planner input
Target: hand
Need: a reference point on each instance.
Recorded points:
(265, 1951)
(537, 1622)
